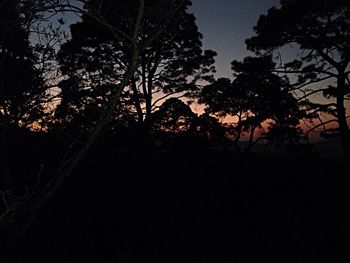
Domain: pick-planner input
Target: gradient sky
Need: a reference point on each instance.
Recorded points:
(226, 24)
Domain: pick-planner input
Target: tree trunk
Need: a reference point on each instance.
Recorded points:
(147, 93)
(251, 141)
(148, 109)
(149, 98)
(137, 102)
(239, 133)
(341, 115)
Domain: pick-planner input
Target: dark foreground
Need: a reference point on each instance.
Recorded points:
(199, 206)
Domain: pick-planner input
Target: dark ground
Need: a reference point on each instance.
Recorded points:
(198, 206)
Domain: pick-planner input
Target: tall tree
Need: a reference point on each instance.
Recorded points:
(320, 29)
(256, 98)
(18, 219)
(21, 84)
(170, 64)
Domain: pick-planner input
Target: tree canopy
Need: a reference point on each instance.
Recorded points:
(20, 81)
(95, 59)
(256, 96)
(116, 96)
(321, 30)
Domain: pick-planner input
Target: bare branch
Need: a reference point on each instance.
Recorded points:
(300, 86)
(304, 71)
(311, 93)
(166, 96)
(322, 124)
(329, 59)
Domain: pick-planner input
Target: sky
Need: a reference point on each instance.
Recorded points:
(226, 24)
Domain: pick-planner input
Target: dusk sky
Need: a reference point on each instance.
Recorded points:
(226, 24)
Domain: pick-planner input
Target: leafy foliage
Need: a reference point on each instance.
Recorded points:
(21, 86)
(255, 96)
(96, 57)
(313, 24)
(173, 116)
(321, 30)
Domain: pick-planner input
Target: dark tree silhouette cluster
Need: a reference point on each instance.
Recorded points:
(97, 120)
(320, 29)
(94, 61)
(260, 100)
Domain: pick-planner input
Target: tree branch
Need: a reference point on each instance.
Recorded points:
(166, 96)
(330, 60)
(311, 93)
(305, 71)
(321, 125)
(300, 86)
(165, 25)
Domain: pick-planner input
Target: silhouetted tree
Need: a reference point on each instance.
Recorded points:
(21, 84)
(18, 219)
(181, 128)
(94, 60)
(173, 116)
(210, 128)
(320, 29)
(24, 63)
(255, 98)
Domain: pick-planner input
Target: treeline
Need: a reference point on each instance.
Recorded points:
(129, 72)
